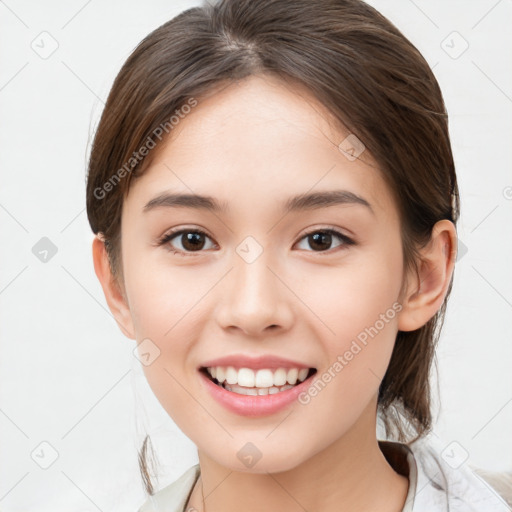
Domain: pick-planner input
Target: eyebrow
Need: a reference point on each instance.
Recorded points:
(310, 201)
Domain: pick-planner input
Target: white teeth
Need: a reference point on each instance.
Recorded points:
(280, 377)
(220, 374)
(263, 378)
(303, 373)
(246, 377)
(292, 375)
(256, 391)
(231, 375)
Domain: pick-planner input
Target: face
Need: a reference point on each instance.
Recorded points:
(307, 284)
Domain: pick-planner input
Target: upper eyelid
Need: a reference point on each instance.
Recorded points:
(180, 231)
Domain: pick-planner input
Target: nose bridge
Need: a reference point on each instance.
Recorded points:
(253, 297)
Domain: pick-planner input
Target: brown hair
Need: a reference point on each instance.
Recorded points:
(358, 65)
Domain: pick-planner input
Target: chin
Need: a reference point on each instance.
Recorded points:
(275, 463)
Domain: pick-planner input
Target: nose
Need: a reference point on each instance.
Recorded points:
(254, 299)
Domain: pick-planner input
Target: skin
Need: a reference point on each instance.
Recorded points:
(252, 145)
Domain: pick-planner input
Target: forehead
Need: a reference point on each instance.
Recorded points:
(255, 140)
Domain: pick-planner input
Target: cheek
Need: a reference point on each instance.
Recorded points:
(164, 310)
(365, 326)
(163, 298)
(357, 305)
(352, 297)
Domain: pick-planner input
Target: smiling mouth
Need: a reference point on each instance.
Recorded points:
(257, 390)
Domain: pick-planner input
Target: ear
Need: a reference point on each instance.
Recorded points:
(427, 288)
(114, 294)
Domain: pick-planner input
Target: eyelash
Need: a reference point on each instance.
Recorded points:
(165, 239)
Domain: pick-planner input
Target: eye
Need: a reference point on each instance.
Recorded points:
(191, 240)
(321, 239)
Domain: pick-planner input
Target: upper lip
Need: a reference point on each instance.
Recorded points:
(256, 362)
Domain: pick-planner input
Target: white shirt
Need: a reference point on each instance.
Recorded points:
(439, 481)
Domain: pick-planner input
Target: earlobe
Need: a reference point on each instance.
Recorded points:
(115, 298)
(426, 293)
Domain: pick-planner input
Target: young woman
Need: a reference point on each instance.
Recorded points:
(274, 196)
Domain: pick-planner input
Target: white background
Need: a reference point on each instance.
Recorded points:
(68, 375)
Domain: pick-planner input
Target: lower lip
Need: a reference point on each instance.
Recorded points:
(250, 405)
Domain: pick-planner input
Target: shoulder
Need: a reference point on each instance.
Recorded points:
(448, 482)
(501, 482)
(174, 496)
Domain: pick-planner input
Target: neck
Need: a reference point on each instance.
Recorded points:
(350, 474)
